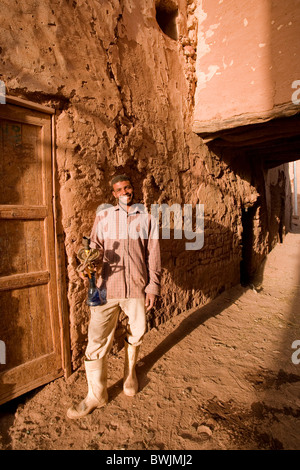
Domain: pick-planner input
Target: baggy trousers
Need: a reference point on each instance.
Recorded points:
(103, 323)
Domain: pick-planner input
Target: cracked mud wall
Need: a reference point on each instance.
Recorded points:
(124, 96)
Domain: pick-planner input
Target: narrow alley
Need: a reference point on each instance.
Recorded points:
(221, 377)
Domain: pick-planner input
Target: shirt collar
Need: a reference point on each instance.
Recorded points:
(137, 209)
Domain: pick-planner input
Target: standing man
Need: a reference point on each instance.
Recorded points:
(128, 239)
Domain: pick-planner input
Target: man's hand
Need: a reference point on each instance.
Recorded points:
(149, 302)
(83, 275)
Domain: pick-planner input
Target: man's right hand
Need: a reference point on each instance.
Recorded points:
(83, 275)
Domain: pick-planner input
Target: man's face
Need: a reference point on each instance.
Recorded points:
(123, 192)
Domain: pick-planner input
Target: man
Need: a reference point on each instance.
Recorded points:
(127, 237)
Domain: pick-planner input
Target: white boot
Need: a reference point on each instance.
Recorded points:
(130, 382)
(97, 397)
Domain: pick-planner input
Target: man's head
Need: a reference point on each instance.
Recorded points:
(122, 189)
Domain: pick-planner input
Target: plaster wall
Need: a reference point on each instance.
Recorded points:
(247, 60)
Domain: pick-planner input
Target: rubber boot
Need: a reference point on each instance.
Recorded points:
(97, 397)
(130, 382)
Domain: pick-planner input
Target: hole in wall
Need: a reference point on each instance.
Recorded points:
(166, 15)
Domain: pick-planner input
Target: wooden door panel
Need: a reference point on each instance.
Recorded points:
(22, 246)
(29, 318)
(21, 163)
(28, 376)
(30, 328)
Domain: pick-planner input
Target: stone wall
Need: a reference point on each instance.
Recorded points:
(124, 95)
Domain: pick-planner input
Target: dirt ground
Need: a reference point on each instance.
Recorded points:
(220, 377)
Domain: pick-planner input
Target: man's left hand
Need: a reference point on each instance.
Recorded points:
(149, 302)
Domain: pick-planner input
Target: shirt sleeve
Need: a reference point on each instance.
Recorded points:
(153, 259)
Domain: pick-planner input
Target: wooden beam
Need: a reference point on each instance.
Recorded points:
(29, 104)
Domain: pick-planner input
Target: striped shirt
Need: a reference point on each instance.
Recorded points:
(129, 245)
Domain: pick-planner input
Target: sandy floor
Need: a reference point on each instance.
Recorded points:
(220, 377)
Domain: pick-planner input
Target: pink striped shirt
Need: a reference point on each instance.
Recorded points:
(129, 245)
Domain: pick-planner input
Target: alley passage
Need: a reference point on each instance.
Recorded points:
(219, 377)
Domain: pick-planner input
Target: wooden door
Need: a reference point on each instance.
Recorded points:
(29, 315)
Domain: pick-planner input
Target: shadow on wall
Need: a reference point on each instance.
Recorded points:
(193, 277)
(270, 211)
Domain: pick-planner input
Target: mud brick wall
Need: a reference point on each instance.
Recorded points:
(124, 96)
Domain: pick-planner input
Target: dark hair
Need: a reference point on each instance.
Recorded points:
(118, 178)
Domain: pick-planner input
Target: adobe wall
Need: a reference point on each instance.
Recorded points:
(249, 49)
(124, 94)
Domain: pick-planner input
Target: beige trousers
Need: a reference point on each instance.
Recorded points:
(103, 323)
